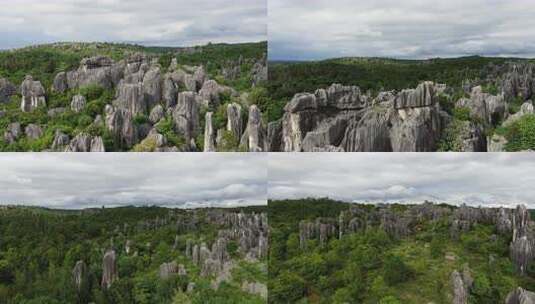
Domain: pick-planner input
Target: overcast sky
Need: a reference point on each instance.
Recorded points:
(316, 29)
(487, 179)
(149, 22)
(77, 181)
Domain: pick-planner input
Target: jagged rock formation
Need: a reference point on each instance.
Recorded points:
(12, 132)
(33, 94)
(342, 118)
(254, 137)
(86, 143)
(78, 103)
(110, 272)
(255, 288)
(520, 296)
(168, 270)
(7, 89)
(79, 274)
(461, 284)
(516, 223)
(209, 136)
(33, 131)
(61, 140)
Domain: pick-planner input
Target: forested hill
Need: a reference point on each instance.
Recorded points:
(324, 251)
(375, 74)
(133, 255)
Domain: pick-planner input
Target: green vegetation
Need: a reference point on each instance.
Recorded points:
(370, 74)
(372, 267)
(39, 248)
(521, 134)
(45, 61)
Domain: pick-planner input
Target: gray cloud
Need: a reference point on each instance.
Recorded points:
(149, 22)
(181, 180)
(476, 179)
(315, 29)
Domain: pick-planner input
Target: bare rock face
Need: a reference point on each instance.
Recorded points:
(200, 77)
(461, 286)
(254, 137)
(130, 96)
(79, 274)
(274, 136)
(84, 142)
(416, 130)
(496, 143)
(55, 112)
(92, 71)
(371, 133)
(33, 131)
(12, 133)
(156, 114)
(168, 270)
(322, 230)
(210, 92)
(209, 134)
(7, 89)
(329, 132)
(152, 87)
(484, 106)
(169, 91)
(78, 103)
(110, 271)
(341, 118)
(518, 81)
(471, 138)
(520, 296)
(33, 94)
(423, 96)
(255, 288)
(186, 115)
(60, 84)
(61, 140)
(234, 120)
(522, 244)
(120, 123)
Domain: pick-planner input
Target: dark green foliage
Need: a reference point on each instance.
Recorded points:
(371, 267)
(461, 113)
(166, 128)
(521, 134)
(39, 248)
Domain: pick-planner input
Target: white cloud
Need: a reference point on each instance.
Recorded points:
(116, 179)
(476, 179)
(312, 29)
(150, 22)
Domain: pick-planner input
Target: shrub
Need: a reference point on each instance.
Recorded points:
(91, 92)
(461, 113)
(521, 134)
(395, 270)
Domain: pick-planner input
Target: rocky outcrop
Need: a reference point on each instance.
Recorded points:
(98, 70)
(461, 283)
(234, 120)
(520, 296)
(12, 133)
(110, 272)
(60, 84)
(78, 103)
(168, 270)
(210, 93)
(7, 89)
(33, 94)
(496, 143)
(61, 140)
(255, 288)
(525, 109)
(254, 137)
(120, 123)
(156, 114)
(471, 137)
(341, 118)
(484, 107)
(322, 230)
(523, 242)
(84, 142)
(33, 131)
(186, 115)
(209, 134)
(79, 275)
